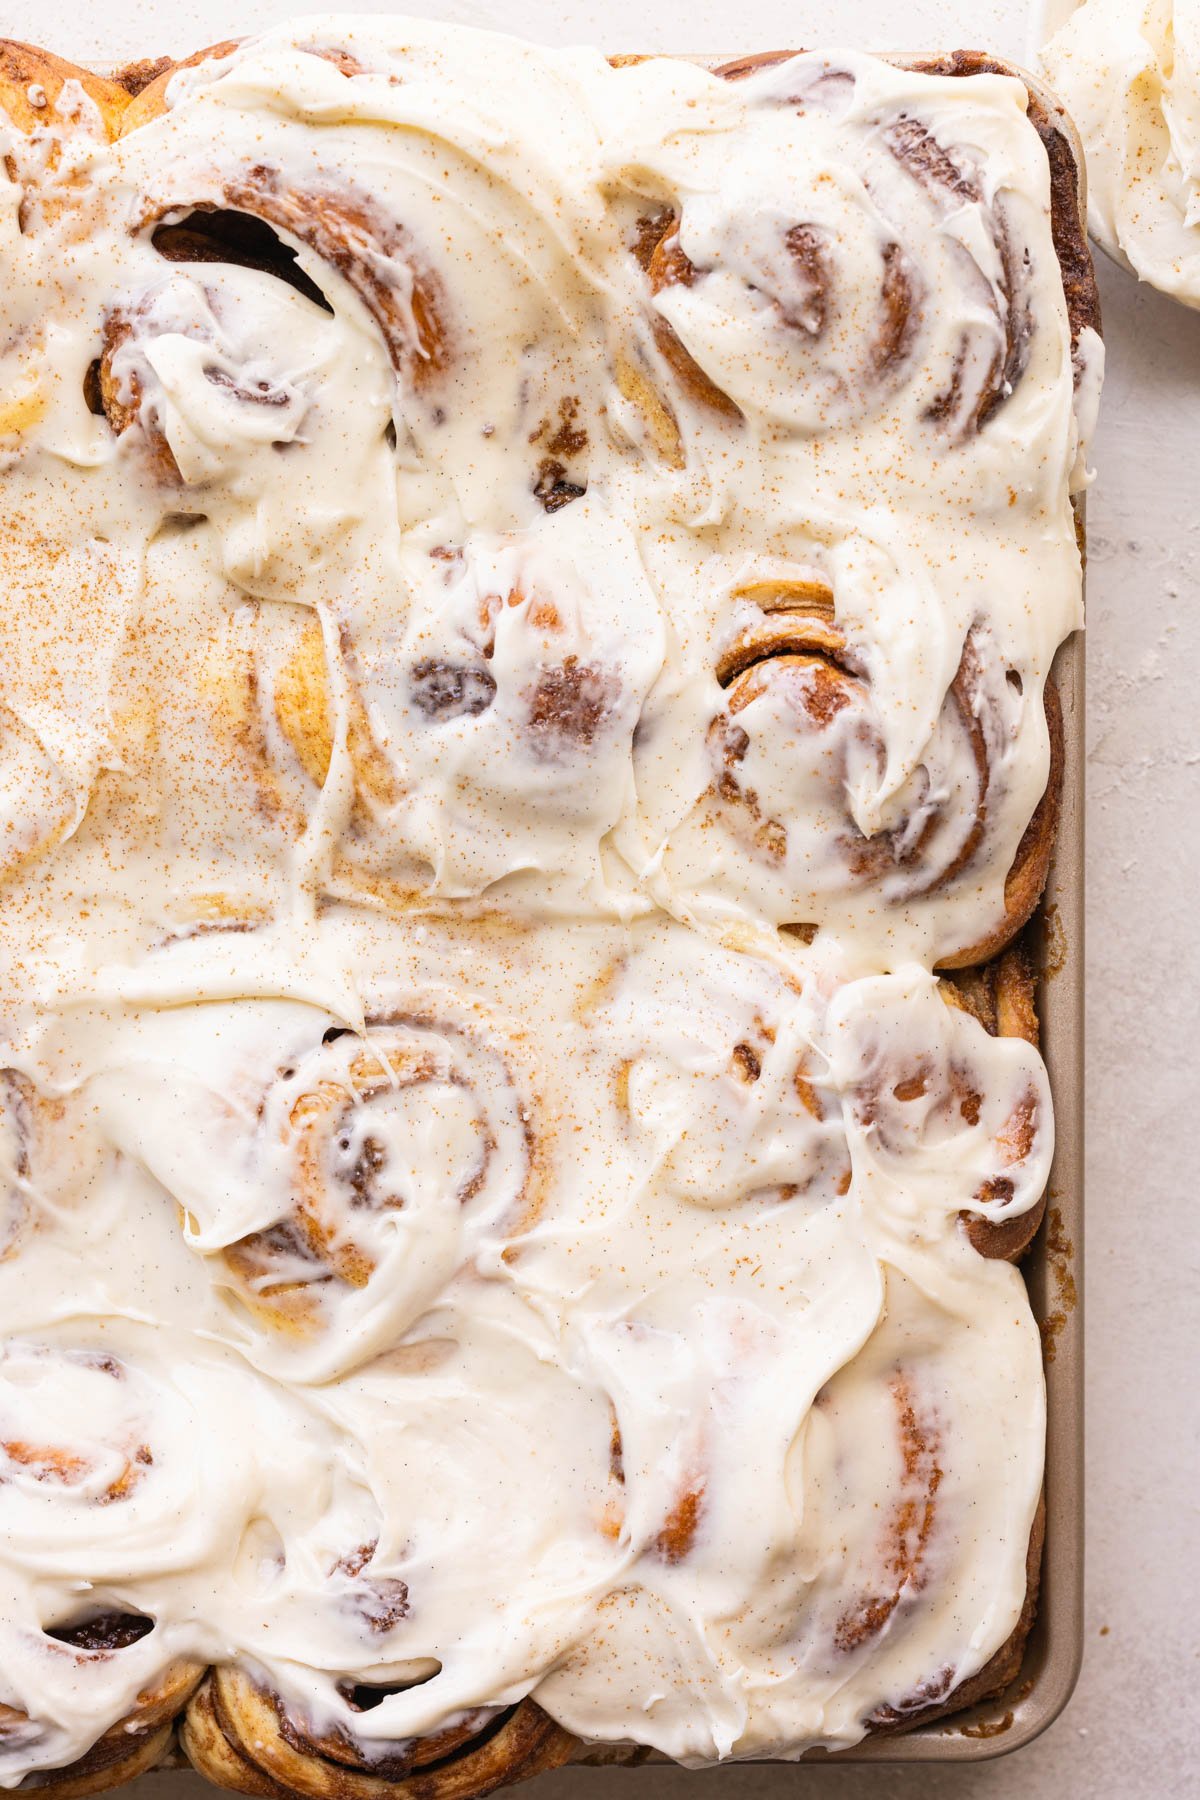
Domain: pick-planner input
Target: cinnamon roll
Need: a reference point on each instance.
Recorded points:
(137, 1742)
(242, 1736)
(717, 1101)
(344, 229)
(226, 381)
(965, 1114)
(349, 1155)
(356, 1171)
(821, 798)
(80, 1479)
(396, 255)
(721, 1081)
(525, 664)
(889, 1424)
(809, 304)
(799, 675)
(487, 743)
(1128, 71)
(349, 232)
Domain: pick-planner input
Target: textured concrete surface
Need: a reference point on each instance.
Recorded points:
(1132, 1728)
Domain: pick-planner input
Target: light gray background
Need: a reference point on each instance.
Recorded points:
(1133, 1728)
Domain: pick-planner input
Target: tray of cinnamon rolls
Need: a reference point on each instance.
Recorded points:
(539, 941)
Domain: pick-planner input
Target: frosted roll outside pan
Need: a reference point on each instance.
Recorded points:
(1054, 1650)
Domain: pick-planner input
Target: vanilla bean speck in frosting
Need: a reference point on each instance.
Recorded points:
(530, 592)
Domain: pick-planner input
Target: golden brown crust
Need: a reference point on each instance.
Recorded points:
(240, 1736)
(31, 81)
(999, 994)
(135, 77)
(92, 1774)
(212, 1753)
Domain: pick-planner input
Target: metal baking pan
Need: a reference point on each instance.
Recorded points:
(1053, 1267)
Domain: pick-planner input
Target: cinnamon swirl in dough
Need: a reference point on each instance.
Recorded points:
(527, 739)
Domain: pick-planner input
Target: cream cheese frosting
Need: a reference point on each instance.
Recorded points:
(451, 1238)
(1128, 72)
